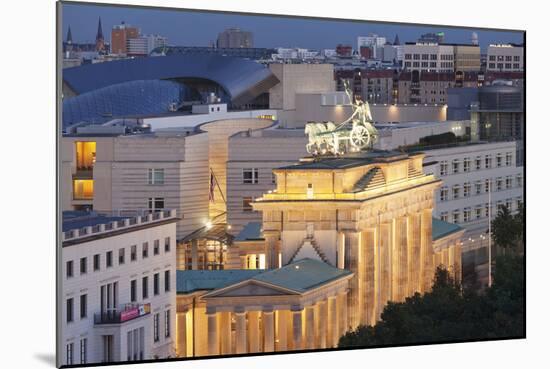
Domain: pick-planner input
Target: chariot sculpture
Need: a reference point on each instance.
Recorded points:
(354, 134)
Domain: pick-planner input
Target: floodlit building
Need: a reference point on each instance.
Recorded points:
(117, 296)
(431, 57)
(120, 34)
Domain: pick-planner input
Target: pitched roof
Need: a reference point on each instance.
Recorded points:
(252, 231)
(441, 228)
(302, 275)
(196, 280)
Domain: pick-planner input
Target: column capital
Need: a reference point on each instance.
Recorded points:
(268, 309)
(239, 310)
(296, 308)
(210, 310)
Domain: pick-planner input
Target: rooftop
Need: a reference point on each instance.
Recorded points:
(349, 161)
(188, 281)
(251, 232)
(441, 228)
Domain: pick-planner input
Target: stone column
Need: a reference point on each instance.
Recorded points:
(343, 324)
(340, 247)
(385, 265)
(181, 334)
(297, 327)
(310, 327)
(426, 250)
(194, 254)
(282, 323)
(399, 259)
(225, 332)
(269, 332)
(213, 345)
(353, 264)
(321, 325)
(240, 334)
(413, 262)
(271, 249)
(333, 331)
(253, 331)
(370, 278)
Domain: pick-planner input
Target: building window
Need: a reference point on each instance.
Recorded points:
(83, 306)
(97, 262)
(166, 281)
(273, 178)
(155, 204)
(83, 265)
(478, 187)
(487, 210)
(167, 244)
(467, 187)
(509, 204)
(456, 192)
(83, 350)
(156, 282)
(156, 176)
(508, 159)
(478, 163)
(443, 168)
(478, 212)
(444, 194)
(70, 350)
(488, 162)
(167, 323)
(133, 253)
(133, 290)
(145, 287)
(499, 160)
(519, 203)
(145, 250)
(444, 216)
(70, 306)
(466, 164)
(250, 175)
(456, 216)
(247, 204)
(109, 259)
(499, 184)
(156, 247)
(508, 182)
(156, 327)
(69, 268)
(456, 166)
(466, 215)
(120, 256)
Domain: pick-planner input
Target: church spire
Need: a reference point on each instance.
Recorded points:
(69, 36)
(99, 35)
(396, 40)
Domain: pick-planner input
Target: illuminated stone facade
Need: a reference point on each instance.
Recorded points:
(341, 237)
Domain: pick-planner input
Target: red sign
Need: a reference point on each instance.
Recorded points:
(129, 314)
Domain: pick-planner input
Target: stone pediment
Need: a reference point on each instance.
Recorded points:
(250, 288)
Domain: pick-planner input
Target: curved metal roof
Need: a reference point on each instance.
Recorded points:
(242, 79)
(125, 99)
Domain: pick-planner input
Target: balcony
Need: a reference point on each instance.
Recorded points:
(127, 313)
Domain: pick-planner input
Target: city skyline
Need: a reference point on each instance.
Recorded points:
(290, 32)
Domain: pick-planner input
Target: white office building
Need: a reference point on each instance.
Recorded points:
(505, 58)
(118, 287)
(373, 41)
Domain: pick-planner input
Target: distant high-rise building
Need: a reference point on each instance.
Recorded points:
(235, 38)
(475, 40)
(120, 34)
(372, 40)
(505, 58)
(433, 38)
(99, 40)
(344, 50)
(143, 45)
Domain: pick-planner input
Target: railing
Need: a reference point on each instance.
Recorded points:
(128, 312)
(127, 222)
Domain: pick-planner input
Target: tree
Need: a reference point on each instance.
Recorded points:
(450, 313)
(507, 229)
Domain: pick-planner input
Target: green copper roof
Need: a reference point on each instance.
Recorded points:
(441, 228)
(302, 275)
(196, 280)
(251, 231)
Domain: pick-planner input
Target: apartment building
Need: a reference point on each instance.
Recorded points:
(117, 295)
(424, 87)
(505, 58)
(378, 86)
(467, 58)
